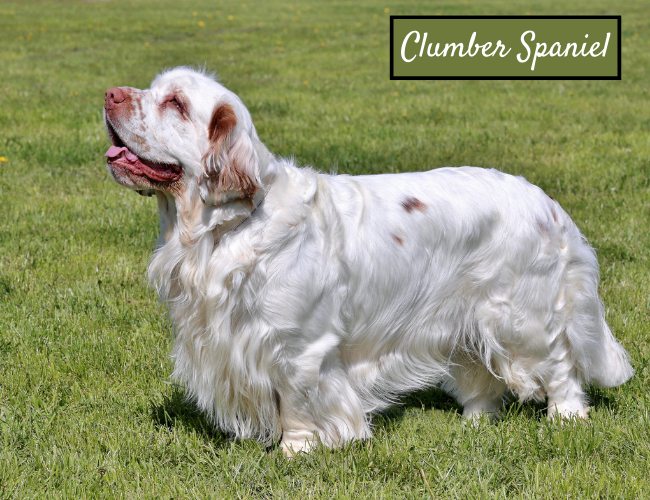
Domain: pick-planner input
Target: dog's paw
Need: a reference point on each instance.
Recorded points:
(567, 410)
(300, 442)
(481, 408)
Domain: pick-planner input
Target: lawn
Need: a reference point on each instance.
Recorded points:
(87, 409)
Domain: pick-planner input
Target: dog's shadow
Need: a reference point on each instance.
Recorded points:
(598, 399)
(436, 399)
(423, 400)
(177, 412)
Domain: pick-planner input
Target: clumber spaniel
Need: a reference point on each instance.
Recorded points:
(302, 302)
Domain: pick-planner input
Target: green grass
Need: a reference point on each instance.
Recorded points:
(86, 409)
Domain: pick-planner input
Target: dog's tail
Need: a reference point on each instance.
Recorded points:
(598, 355)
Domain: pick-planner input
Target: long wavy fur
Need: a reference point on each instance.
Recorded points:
(338, 294)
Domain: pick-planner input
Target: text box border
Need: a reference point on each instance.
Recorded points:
(618, 55)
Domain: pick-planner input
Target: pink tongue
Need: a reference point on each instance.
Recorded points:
(114, 152)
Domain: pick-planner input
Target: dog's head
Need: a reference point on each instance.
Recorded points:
(186, 136)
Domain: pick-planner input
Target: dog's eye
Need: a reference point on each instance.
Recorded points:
(174, 101)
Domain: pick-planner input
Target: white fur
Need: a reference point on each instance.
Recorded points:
(338, 294)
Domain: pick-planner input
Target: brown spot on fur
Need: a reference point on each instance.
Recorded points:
(221, 124)
(398, 239)
(140, 142)
(411, 204)
(178, 187)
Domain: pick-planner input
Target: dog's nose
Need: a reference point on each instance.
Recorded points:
(113, 97)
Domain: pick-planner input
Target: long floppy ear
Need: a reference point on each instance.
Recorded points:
(231, 165)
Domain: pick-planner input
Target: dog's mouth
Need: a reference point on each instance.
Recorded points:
(120, 155)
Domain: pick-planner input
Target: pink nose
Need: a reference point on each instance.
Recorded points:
(113, 97)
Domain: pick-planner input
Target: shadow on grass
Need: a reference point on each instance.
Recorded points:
(599, 400)
(176, 411)
(426, 399)
(437, 399)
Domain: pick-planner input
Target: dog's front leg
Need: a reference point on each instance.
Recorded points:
(317, 402)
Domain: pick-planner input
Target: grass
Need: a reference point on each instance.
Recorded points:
(86, 407)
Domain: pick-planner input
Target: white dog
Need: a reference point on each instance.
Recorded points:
(302, 302)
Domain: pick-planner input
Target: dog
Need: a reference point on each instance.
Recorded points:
(304, 302)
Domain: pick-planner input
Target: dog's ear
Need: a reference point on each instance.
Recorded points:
(231, 165)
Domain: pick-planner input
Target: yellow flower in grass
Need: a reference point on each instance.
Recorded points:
(201, 23)
(3, 159)
(230, 18)
(386, 10)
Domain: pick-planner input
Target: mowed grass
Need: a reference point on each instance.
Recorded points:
(86, 405)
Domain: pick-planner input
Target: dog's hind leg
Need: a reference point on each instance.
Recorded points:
(476, 388)
(563, 384)
(586, 350)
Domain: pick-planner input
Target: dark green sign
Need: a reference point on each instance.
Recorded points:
(505, 47)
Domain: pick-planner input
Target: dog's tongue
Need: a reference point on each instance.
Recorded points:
(114, 152)
(155, 171)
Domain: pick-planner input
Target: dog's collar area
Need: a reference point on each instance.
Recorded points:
(257, 204)
(259, 198)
